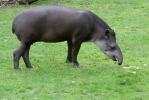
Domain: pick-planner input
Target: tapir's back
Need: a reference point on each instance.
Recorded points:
(46, 20)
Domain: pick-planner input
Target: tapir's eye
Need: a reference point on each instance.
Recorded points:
(112, 48)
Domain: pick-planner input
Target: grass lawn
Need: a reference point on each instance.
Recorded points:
(100, 78)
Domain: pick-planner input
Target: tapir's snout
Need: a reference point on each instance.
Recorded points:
(115, 59)
(117, 55)
(120, 61)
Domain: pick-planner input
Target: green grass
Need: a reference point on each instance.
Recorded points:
(100, 78)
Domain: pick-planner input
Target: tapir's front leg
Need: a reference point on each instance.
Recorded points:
(75, 50)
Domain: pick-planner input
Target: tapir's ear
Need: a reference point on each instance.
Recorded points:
(107, 31)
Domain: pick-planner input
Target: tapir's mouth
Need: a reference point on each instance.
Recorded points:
(111, 57)
(114, 58)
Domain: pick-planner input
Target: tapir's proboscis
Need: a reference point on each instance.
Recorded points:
(57, 24)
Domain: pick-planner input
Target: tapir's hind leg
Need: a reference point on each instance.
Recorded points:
(17, 54)
(69, 55)
(26, 57)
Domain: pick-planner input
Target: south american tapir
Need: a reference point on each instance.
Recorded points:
(56, 24)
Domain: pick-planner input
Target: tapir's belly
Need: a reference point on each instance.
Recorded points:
(54, 37)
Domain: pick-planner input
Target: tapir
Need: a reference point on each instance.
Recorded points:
(56, 24)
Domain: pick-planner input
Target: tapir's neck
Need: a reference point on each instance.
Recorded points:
(98, 33)
(99, 30)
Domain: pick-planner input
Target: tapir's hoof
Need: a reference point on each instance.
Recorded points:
(30, 67)
(68, 61)
(77, 66)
